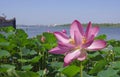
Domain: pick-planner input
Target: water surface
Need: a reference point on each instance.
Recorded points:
(111, 32)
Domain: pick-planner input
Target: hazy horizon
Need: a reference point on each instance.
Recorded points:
(48, 12)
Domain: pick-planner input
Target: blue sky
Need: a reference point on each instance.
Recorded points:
(61, 11)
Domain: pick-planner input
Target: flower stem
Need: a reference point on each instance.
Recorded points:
(81, 69)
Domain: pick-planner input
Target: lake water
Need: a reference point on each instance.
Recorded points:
(111, 32)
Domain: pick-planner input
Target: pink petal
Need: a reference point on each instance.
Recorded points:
(82, 56)
(62, 48)
(71, 56)
(89, 42)
(61, 37)
(91, 31)
(65, 46)
(87, 33)
(94, 31)
(77, 38)
(97, 45)
(76, 26)
(64, 31)
(57, 50)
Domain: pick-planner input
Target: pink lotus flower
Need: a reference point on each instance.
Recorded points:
(43, 39)
(64, 31)
(78, 44)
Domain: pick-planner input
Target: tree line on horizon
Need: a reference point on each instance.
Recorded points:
(98, 24)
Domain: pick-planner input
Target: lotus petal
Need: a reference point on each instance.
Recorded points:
(61, 37)
(97, 45)
(76, 26)
(71, 56)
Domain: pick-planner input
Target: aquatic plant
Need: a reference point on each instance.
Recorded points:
(21, 56)
(76, 46)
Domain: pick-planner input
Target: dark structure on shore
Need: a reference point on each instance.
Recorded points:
(5, 22)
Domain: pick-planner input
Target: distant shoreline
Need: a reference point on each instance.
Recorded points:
(97, 24)
(93, 24)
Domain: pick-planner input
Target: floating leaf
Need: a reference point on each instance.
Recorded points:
(86, 75)
(102, 37)
(4, 44)
(26, 52)
(116, 50)
(71, 71)
(94, 54)
(4, 53)
(98, 66)
(21, 34)
(108, 73)
(115, 65)
(27, 67)
(22, 60)
(32, 52)
(50, 38)
(57, 64)
(27, 74)
(41, 73)
(6, 67)
(35, 59)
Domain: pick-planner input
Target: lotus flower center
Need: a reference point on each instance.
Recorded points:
(71, 41)
(84, 40)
